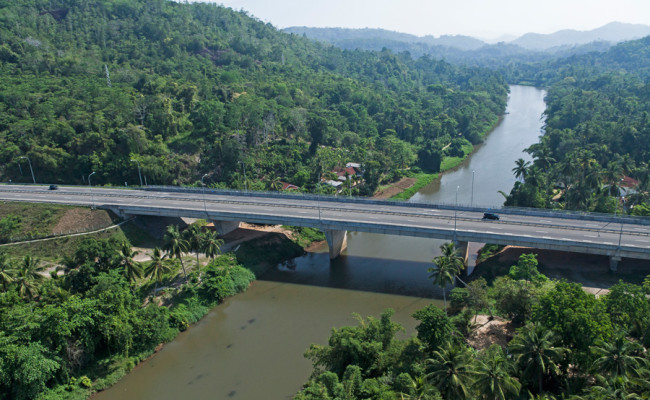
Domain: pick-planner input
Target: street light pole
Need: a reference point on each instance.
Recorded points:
(139, 174)
(92, 197)
(455, 212)
(318, 201)
(205, 207)
(243, 166)
(471, 202)
(30, 168)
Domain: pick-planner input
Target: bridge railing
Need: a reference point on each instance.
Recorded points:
(565, 214)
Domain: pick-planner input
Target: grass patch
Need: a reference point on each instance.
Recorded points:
(55, 249)
(304, 236)
(139, 237)
(423, 179)
(32, 219)
(452, 162)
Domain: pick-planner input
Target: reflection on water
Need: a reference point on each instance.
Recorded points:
(492, 162)
(399, 267)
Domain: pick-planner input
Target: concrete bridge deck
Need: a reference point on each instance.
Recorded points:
(587, 233)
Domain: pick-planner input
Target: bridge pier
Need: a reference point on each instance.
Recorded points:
(613, 263)
(463, 251)
(337, 241)
(224, 227)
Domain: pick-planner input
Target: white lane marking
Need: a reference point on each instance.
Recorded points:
(591, 236)
(303, 212)
(608, 242)
(589, 241)
(548, 222)
(541, 231)
(497, 227)
(546, 237)
(640, 240)
(411, 220)
(592, 225)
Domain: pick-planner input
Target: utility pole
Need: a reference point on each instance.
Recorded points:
(139, 174)
(471, 202)
(455, 211)
(92, 196)
(244, 168)
(205, 207)
(30, 168)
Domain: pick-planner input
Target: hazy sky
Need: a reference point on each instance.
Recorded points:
(481, 18)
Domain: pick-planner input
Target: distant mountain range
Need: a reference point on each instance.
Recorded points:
(470, 50)
(613, 32)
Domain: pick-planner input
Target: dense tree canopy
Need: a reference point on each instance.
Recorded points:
(190, 89)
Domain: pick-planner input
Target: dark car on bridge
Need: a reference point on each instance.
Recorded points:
(53, 187)
(490, 215)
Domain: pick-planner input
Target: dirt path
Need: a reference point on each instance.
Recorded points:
(395, 188)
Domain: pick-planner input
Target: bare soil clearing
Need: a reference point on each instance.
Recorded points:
(395, 188)
(491, 331)
(82, 219)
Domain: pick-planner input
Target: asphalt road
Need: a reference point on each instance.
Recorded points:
(544, 232)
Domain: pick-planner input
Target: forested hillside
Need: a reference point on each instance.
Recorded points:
(194, 89)
(597, 133)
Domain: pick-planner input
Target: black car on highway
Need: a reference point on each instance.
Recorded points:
(490, 215)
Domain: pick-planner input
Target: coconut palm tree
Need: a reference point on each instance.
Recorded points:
(612, 174)
(157, 268)
(451, 372)
(6, 272)
(420, 389)
(442, 274)
(275, 184)
(521, 169)
(29, 277)
(451, 253)
(175, 245)
(211, 244)
(193, 236)
(619, 357)
(132, 269)
(447, 266)
(494, 380)
(536, 355)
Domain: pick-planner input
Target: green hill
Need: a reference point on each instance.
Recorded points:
(194, 89)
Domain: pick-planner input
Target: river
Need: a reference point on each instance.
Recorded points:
(251, 347)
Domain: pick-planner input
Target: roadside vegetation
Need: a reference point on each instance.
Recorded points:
(549, 340)
(79, 323)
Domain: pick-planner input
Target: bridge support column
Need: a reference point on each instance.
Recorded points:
(613, 263)
(224, 227)
(463, 251)
(337, 241)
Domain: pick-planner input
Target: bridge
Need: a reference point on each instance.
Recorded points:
(612, 236)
